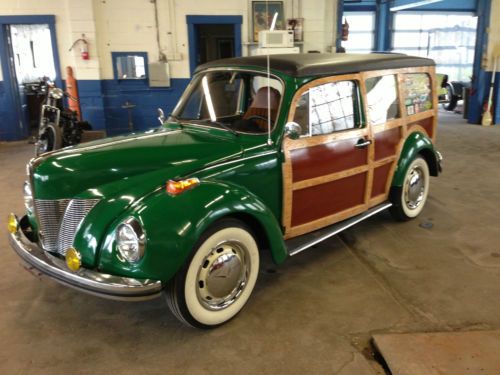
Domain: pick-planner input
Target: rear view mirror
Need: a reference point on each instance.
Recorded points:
(293, 130)
(161, 116)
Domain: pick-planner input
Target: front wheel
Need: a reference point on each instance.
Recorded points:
(409, 200)
(49, 140)
(218, 279)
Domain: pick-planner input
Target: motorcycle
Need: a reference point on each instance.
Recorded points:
(58, 126)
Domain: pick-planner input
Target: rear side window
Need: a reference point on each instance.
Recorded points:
(329, 108)
(382, 99)
(418, 93)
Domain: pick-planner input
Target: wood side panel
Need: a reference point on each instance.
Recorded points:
(325, 159)
(386, 143)
(330, 177)
(380, 176)
(319, 201)
(427, 124)
(325, 221)
(370, 136)
(406, 125)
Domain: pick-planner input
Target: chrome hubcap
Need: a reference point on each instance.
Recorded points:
(414, 188)
(223, 275)
(43, 145)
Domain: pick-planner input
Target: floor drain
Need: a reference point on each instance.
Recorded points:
(426, 225)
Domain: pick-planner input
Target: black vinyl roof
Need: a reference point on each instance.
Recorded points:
(310, 64)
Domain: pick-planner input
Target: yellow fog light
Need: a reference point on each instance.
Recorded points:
(73, 259)
(12, 223)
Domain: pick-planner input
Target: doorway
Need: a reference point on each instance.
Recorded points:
(212, 38)
(214, 42)
(29, 53)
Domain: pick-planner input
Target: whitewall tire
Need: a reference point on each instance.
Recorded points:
(218, 279)
(409, 200)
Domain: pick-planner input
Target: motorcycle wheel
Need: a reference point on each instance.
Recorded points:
(50, 140)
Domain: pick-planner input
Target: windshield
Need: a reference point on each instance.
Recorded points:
(233, 100)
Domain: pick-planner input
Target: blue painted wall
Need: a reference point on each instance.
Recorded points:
(101, 103)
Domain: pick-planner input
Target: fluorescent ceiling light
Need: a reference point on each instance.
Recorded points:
(208, 97)
(273, 24)
(414, 5)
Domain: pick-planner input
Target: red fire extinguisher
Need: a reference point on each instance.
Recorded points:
(84, 47)
(345, 30)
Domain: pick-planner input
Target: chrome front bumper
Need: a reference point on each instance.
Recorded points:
(84, 280)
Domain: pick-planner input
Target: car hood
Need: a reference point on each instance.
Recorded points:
(134, 164)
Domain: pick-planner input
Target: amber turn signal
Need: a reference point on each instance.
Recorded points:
(177, 187)
(73, 259)
(12, 223)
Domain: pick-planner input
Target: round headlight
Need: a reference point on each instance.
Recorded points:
(28, 196)
(130, 240)
(56, 93)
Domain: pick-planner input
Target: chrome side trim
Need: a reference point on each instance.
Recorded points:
(301, 243)
(84, 280)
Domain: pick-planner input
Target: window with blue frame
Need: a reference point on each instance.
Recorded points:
(130, 65)
(361, 31)
(448, 38)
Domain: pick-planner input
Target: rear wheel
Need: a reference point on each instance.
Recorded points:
(218, 279)
(451, 99)
(408, 201)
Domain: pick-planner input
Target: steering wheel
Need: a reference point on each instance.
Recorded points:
(257, 117)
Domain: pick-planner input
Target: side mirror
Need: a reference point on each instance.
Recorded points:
(292, 130)
(161, 116)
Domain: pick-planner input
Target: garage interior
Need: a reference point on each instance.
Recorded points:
(418, 297)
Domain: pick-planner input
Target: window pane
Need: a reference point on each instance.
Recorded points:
(361, 32)
(418, 93)
(130, 67)
(328, 108)
(449, 39)
(382, 99)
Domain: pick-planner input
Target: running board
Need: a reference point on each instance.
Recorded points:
(298, 244)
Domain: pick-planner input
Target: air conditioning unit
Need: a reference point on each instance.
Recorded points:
(275, 38)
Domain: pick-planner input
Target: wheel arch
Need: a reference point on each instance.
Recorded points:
(416, 144)
(186, 217)
(256, 215)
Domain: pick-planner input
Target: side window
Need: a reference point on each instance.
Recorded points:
(418, 93)
(382, 99)
(329, 108)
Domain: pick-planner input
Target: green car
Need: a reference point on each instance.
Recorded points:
(253, 159)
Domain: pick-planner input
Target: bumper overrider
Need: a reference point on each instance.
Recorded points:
(84, 280)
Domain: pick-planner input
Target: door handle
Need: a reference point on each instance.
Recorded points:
(362, 143)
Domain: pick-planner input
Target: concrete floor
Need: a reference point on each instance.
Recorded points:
(315, 314)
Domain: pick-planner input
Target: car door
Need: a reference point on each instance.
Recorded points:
(326, 171)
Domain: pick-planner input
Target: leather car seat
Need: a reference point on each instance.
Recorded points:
(258, 107)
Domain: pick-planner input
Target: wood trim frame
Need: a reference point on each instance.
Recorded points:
(367, 131)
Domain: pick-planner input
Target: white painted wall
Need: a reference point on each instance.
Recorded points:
(129, 25)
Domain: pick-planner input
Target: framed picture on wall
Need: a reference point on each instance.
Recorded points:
(297, 25)
(262, 16)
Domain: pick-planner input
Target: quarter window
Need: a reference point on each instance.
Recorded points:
(329, 108)
(418, 93)
(382, 99)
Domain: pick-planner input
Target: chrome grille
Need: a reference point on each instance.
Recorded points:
(59, 221)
